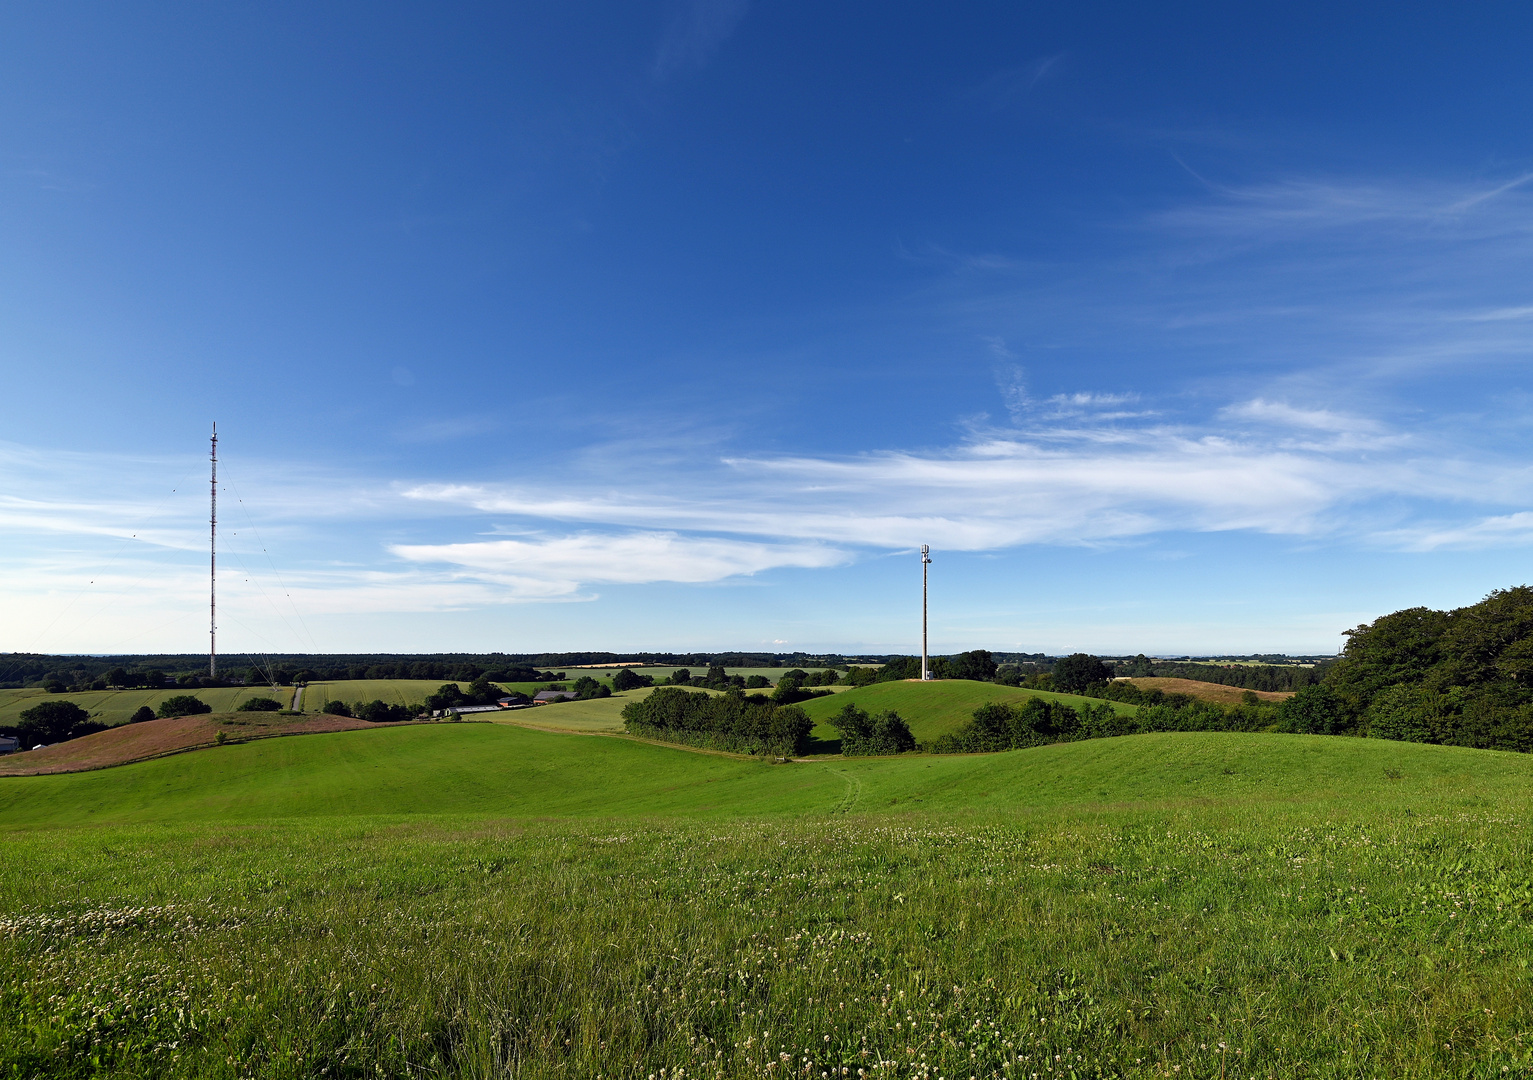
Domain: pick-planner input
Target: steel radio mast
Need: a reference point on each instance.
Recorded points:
(926, 558)
(213, 561)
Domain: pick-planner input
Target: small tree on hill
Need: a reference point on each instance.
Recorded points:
(1079, 670)
(183, 705)
(628, 680)
(144, 713)
(53, 721)
(976, 664)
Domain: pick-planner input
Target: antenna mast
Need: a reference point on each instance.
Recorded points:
(213, 561)
(926, 559)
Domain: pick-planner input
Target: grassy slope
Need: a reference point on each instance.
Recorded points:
(1186, 905)
(931, 709)
(474, 769)
(498, 770)
(113, 707)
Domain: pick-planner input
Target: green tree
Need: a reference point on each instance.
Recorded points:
(975, 664)
(886, 733)
(183, 705)
(144, 713)
(1079, 670)
(52, 722)
(627, 680)
(1314, 710)
(260, 704)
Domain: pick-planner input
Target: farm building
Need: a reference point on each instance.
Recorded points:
(511, 701)
(545, 697)
(8, 744)
(460, 710)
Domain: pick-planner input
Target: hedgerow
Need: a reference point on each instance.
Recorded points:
(1037, 721)
(731, 721)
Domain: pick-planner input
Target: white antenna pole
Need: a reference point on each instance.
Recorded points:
(213, 563)
(925, 562)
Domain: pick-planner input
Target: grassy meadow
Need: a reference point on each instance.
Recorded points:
(392, 691)
(113, 707)
(932, 709)
(477, 900)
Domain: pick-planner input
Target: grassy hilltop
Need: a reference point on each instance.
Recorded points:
(488, 900)
(932, 709)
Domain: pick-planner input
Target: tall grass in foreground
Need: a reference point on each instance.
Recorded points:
(1187, 943)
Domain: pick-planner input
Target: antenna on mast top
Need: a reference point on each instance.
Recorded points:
(213, 560)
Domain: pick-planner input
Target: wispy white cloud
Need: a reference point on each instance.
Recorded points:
(1090, 484)
(1504, 530)
(561, 565)
(1285, 415)
(1505, 314)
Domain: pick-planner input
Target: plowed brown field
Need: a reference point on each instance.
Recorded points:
(156, 738)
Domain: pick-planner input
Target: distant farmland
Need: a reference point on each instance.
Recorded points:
(112, 707)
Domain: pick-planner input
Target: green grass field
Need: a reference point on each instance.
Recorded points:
(476, 900)
(498, 770)
(931, 709)
(112, 707)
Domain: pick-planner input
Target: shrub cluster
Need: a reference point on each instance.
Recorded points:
(587, 688)
(1037, 721)
(376, 711)
(183, 705)
(731, 721)
(629, 680)
(450, 696)
(862, 734)
(260, 704)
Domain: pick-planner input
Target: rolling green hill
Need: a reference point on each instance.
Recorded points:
(932, 709)
(493, 770)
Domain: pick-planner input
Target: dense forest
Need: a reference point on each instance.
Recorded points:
(1462, 677)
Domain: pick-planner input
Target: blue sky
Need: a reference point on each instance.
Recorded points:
(680, 325)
